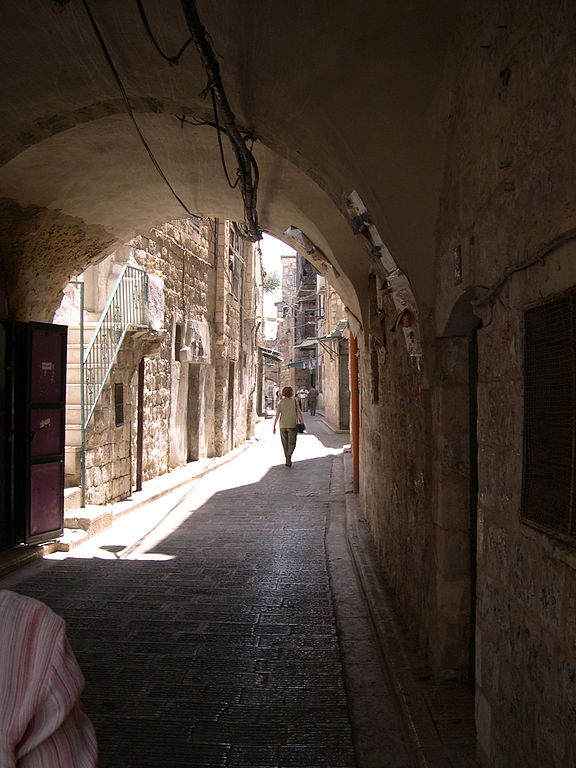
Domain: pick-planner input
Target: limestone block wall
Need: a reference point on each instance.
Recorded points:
(395, 483)
(333, 380)
(331, 386)
(451, 623)
(286, 326)
(180, 257)
(509, 193)
(181, 254)
(109, 453)
(193, 407)
(237, 314)
(157, 404)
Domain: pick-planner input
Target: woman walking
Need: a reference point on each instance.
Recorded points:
(288, 412)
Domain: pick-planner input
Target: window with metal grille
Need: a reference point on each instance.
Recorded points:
(119, 404)
(548, 492)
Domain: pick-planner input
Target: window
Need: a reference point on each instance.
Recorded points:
(548, 493)
(177, 340)
(119, 404)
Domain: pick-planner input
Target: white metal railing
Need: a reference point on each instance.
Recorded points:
(126, 308)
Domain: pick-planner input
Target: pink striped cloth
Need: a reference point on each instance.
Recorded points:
(41, 722)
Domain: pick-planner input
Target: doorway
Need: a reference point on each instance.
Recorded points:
(344, 384)
(231, 412)
(193, 413)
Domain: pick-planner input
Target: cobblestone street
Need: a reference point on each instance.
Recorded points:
(210, 639)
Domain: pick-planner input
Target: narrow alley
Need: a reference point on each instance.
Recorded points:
(229, 630)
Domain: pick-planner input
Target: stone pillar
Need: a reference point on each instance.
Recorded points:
(450, 618)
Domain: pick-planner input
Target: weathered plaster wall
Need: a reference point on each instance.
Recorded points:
(509, 190)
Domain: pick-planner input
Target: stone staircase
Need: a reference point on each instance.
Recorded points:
(73, 409)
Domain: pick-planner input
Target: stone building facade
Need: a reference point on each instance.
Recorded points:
(313, 338)
(196, 366)
(332, 356)
(447, 469)
(286, 322)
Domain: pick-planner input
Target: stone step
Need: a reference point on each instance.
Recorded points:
(74, 333)
(73, 437)
(73, 354)
(71, 466)
(82, 524)
(73, 415)
(73, 394)
(72, 499)
(73, 373)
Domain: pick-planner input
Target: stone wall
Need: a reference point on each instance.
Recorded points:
(181, 254)
(332, 364)
(395, 483)
(286, 327)
(109, 448)
(191, 409)
(509, 193)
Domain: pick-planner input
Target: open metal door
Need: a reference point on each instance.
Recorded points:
(39, 427)
(6, 507)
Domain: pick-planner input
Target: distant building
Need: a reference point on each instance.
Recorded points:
(312, 339)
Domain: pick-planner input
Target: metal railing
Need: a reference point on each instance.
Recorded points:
(127, 308)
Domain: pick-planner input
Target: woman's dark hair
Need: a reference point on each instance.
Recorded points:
(287, 392)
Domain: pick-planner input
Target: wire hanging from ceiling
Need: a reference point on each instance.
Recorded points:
(130, 111)
(248, 174)
(172, 59)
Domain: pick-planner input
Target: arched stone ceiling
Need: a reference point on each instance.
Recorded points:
(340, 96)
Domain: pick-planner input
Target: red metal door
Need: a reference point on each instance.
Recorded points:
(40, 401)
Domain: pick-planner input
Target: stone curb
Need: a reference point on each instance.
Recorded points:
(429, 751)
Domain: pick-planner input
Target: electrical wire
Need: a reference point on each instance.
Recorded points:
(130, 111)
(220, 129)
(172, 59)
(542, 252)
(222, 158)
(247, 166)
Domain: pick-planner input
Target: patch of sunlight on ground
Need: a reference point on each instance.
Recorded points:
(135, 533)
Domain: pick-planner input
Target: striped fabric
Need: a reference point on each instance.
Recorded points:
(41, 722)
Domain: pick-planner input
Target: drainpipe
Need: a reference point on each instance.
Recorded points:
(140, 427)
(354, 413)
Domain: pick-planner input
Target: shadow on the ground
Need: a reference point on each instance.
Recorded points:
(219, 647)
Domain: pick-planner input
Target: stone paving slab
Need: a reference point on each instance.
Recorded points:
(223, 626)
(219, 647)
